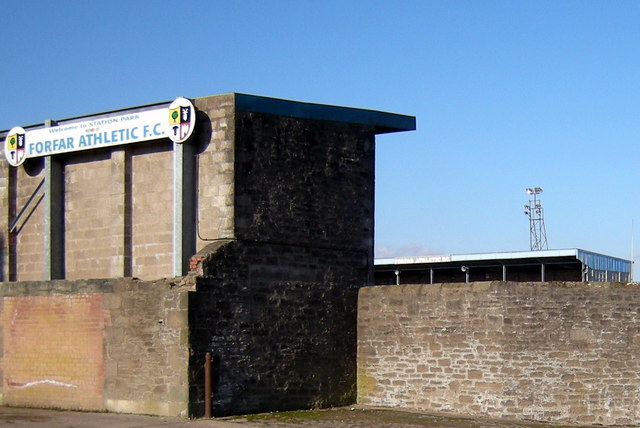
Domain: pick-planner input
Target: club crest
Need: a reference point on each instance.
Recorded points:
(15, 146)
(181, 120)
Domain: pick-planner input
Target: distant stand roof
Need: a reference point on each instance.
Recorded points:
(592, 260)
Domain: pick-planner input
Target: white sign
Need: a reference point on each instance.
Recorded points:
(425, 259)
(102, 131)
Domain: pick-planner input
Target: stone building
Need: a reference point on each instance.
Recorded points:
(133, 242)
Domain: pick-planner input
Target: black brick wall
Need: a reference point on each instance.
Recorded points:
(277, 306)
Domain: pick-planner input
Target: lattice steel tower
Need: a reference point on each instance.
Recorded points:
(537, 231)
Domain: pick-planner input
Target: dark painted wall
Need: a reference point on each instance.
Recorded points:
(277, 305)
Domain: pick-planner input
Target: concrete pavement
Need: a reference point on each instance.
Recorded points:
(355, 417)
(39, 418)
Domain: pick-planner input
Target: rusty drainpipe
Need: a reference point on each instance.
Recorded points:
(207, 385)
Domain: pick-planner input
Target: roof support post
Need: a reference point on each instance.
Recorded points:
(504, 273)
(53, 219)
(542, 276)
(431, 276)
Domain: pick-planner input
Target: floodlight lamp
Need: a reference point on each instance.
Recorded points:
(526, 213)
(538, 190)
(529, 190)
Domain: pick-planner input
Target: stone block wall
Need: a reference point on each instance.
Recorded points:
(214, 169)
(559, 352)
(116, 345)
(29, 233)
(89, 183)
(151, 210)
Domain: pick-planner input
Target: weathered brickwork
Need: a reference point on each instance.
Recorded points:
(304, 182)
(53, 351)
(561, 352)
(277, 343)
(117, 345)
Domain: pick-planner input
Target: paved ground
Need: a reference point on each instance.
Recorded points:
(359, 417)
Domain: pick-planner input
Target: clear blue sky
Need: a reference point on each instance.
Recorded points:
(507, 95)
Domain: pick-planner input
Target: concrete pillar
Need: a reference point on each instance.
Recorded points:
(183, 207)
(53, 219)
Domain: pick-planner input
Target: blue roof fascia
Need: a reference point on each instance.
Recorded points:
(603, 262)
(382, 121)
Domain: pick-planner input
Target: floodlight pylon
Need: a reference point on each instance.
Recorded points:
(535, 212)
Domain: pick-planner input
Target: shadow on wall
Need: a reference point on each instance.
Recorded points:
(204, 132)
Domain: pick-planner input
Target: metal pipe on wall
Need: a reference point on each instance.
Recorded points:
(207, 385)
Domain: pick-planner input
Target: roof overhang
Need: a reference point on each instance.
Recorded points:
(382, 122)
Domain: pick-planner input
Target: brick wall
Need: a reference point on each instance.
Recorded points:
(282, 335)
(560, 352)
(53, 351)
(117, 345)
(304, 182)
